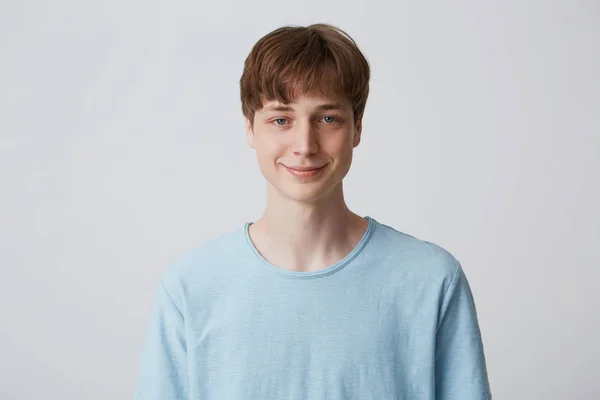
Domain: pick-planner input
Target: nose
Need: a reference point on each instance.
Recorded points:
(305, 139)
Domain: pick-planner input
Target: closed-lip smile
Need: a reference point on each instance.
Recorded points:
(305, 172)
(300, 168)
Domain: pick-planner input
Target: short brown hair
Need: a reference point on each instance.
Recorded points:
(318, 57)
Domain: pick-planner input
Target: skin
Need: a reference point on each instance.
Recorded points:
(306, 225)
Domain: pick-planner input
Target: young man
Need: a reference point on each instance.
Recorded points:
(312, 301)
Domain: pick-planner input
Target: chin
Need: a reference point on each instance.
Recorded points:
(305, 193)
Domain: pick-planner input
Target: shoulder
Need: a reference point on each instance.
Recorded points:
(204, 265)
(415, 257)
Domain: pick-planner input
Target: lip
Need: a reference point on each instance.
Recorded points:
(305, 172)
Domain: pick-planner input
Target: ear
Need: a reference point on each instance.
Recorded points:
(357, 133)
(249, 133)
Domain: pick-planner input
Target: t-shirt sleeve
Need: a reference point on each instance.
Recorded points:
(163, 371)
(461, 372)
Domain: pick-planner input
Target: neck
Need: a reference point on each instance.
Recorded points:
(306, 236)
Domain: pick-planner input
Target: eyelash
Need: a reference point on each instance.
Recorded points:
(336, 120)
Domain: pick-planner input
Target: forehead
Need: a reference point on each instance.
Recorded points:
(309, 102)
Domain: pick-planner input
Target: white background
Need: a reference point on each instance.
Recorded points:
(122, 147)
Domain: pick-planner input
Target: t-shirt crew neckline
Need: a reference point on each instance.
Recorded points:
(322, 272)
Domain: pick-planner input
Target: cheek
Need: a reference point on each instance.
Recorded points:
(340, 147)
(269, 150)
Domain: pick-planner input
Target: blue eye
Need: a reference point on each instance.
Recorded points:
(328, 119)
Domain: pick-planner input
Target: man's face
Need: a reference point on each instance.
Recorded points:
(304, 149)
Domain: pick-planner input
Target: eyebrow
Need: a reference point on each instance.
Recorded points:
(322, 107)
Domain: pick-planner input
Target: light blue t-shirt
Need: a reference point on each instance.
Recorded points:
(395, 319)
